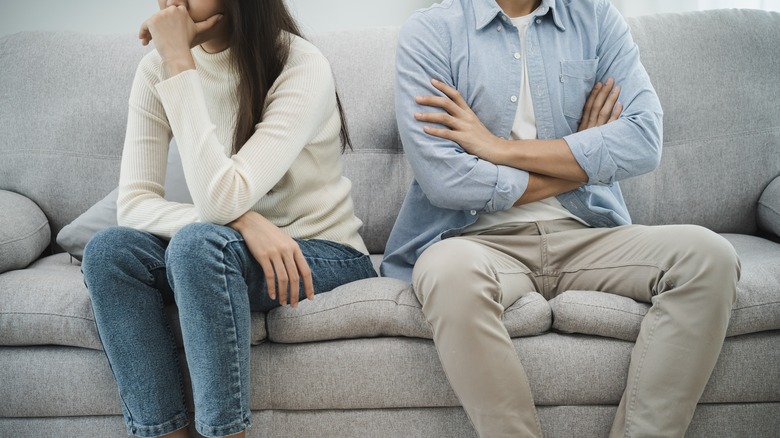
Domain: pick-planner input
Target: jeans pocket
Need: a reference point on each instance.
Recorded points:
(578, 78)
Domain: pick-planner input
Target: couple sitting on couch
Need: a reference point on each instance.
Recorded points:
(516, 156)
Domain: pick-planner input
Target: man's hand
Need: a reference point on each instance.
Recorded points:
(602, 106)
(461, 124)
(174, 34)
(279, 256)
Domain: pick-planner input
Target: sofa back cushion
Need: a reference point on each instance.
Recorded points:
(63, 109)
(63, 112)
(364, 65)
(716, 73)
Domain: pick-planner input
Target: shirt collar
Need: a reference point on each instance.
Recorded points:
(486, 11)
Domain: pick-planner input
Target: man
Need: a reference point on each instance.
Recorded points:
(516, 190)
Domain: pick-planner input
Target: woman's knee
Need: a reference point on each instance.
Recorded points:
(200, 244)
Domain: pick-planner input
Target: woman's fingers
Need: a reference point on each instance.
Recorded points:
(305, 272)
(293, 278)
(270, 277)
(206, 30)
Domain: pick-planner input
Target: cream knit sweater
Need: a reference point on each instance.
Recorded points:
(289, 171)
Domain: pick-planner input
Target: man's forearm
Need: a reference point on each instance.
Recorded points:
(544, 157)
(544, 186)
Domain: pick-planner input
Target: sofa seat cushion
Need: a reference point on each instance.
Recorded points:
(757, 308)
(48, 304)
(383, 307)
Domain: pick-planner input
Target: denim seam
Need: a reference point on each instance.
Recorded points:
(200, 425)
(361, 256)
(179, 422)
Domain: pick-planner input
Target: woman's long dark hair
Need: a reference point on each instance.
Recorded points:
(259, 55)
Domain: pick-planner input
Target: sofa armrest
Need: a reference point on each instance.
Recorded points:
(769, 208)
(24, 231)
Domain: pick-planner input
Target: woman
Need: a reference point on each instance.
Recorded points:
(255, 114)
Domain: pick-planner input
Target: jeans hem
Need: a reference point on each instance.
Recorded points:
(220, 431)
(178, 422)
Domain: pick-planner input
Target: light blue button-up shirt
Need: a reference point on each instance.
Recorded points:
(471, 45)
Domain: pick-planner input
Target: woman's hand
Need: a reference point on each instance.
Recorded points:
(174, 34)
(602, 106)
(278, 254)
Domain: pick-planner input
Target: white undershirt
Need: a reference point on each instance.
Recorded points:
(524, 128)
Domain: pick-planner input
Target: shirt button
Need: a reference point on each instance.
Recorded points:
(513, 99)
(538, 21)
(517, 55)
(473, 212)
(500, 28)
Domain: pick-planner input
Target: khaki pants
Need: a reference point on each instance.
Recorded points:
(688, 273)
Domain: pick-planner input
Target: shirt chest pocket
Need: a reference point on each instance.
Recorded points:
(578, 78)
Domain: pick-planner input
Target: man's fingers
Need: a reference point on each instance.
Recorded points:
(609, 105)
(444, 103)
(450, 92)
(616, 112)
(446, 134)
(589, 106)
(440, 118)
(598, 103)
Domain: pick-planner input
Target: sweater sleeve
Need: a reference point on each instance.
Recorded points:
(141, 202)
(222, 187)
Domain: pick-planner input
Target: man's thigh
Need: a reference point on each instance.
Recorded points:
(630, 260)
(470, 263)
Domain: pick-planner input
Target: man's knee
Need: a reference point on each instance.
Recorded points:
(450, 272)
(709, 256)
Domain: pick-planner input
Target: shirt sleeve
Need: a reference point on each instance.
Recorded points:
(631, 145)
(141, 203)
(225, 187)
(449, 176)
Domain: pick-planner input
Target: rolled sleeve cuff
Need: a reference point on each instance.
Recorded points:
(591, 153)
(510, 186)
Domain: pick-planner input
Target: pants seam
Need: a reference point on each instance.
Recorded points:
(630, 412)
(234, 339)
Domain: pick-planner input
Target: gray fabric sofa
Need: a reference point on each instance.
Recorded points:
(358, 361)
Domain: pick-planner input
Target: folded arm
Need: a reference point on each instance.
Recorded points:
(449, 176)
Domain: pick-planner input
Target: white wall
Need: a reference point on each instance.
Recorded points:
(315, 16)
(126, 16)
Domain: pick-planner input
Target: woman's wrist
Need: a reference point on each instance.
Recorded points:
(180, 64)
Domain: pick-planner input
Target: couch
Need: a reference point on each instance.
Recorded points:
(359, 361)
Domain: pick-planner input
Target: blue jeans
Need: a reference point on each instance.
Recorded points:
(209, 273)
